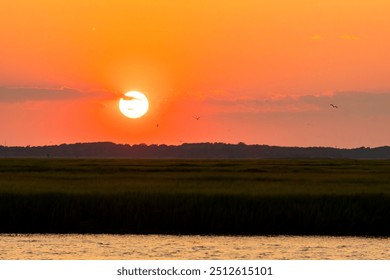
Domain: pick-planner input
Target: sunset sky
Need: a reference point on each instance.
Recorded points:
(254, 71)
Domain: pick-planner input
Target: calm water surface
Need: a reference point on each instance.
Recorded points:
(89, 246)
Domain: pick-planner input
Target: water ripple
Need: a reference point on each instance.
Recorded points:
(89, 246)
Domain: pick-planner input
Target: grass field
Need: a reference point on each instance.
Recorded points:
(332, 197)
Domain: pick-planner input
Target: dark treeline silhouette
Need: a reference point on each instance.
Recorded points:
(191, 151)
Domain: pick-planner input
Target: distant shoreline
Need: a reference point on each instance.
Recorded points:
(191, 151)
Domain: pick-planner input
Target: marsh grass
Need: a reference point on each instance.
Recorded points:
(335, 197)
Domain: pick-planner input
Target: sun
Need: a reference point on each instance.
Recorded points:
(133, 104)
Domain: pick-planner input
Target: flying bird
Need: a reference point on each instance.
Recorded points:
(197, 118)
(334, 106)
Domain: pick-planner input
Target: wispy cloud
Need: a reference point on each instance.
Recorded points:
(18, 94)
(317, 38)
(263, 104)
(350, 102)
(28, 94)
(349, 37)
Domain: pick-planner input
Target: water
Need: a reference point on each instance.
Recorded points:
(132, 247)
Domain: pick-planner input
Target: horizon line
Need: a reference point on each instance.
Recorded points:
(189, 143)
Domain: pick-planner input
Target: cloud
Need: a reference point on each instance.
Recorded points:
(317, 38)
(11, 95)
(263, 105)
(357, 103)
(349, 37)
(363, 103)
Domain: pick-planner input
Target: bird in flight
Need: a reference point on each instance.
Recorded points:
(197, 118)
(334, 106)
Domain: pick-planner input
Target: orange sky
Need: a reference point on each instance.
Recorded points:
(258, 71)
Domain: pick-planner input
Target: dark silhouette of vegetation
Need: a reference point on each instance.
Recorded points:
(196, 214)
(248, 197)
(196, 150)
